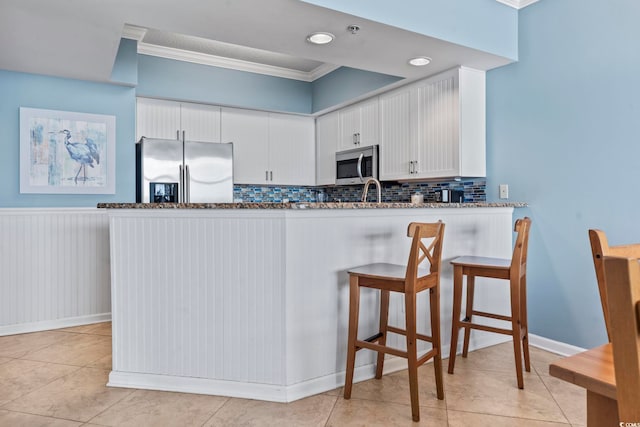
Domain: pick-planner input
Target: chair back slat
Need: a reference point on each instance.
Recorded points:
(599, 250)
(623, 290)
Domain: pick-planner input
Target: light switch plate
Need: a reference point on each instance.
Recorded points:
(504, 191)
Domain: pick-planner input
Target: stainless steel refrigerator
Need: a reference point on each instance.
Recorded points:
(169, 170)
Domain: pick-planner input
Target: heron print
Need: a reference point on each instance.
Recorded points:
(67, 153)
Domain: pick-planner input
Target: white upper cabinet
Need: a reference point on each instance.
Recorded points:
(291, 150)
(359, 125)
(435, 128)
(249, 132)
(327, 136)
(200, 122)
(270, 148)
(158, 118)
(396, 150)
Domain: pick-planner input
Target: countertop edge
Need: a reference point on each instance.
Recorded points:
(310, 205)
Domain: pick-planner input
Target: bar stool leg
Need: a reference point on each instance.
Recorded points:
(471, 284)
(525, 323)
(354, 308)
(384, 320)
(515, 328)
(412, 353)
(434, 300)
(455, 318)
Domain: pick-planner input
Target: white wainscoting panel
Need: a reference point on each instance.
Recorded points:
(55, 268)
(199, 294)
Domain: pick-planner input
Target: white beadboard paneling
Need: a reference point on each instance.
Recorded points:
(196, 297)
(55, 265)
(257, 300)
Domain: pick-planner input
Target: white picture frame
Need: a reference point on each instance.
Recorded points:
(63, 152)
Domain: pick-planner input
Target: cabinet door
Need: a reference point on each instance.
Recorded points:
(437, 134)
(369, 131)
(327, 135)
(395, 136)
(291, 150)
(157, 118)
(200, 122)
(249, 133)
(349, 127)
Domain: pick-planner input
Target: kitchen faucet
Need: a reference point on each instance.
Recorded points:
(366, 189)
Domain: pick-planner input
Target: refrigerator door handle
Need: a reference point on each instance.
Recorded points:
(187, 184)
(180, 185)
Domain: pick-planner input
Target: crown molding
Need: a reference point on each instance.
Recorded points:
(234, 64)
(133, 33)
(517, 4)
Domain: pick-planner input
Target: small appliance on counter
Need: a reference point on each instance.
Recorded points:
(447, 195)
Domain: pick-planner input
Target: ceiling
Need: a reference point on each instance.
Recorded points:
(79, 38)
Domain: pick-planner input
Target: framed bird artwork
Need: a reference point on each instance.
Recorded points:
(66, 152)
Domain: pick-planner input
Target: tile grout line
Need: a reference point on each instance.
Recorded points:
(216, 411)
(43, 416)
(335, 403)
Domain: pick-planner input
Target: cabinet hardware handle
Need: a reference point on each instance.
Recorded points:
(411, 166)
(358, 138)
(415, 167)
(355, 139)
(178, 134)
(184, 138)
(271, 175)
(266, 175)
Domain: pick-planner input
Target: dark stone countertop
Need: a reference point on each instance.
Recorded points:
(309, 205)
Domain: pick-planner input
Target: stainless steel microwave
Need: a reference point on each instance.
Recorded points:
(355, 166)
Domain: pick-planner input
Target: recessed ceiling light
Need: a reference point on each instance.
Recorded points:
(420, 61)
(320, 38)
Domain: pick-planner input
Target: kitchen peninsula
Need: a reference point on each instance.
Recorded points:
(251, 299)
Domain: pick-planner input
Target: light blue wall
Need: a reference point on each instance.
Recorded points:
(35, 91)
(125, 67)
(344, 84)
(562, 130)
(481, 24)
(166, 78)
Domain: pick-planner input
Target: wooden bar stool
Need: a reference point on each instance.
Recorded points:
(409, 280)
(514, 270)
(599, 249)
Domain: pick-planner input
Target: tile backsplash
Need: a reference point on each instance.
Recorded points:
(474, 191)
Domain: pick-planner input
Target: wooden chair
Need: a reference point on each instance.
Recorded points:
(600, 248)
(409, 280)
(514, 270)
(623, 290)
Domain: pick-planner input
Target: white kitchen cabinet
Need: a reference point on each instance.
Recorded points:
(327, 136)
(157, 118)
(443, 120)
(248, 130)
(270, 148)
(359, 125)
(396, 148)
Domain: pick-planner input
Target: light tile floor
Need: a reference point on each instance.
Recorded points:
(57, 378)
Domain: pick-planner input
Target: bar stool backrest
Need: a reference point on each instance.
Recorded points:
(419, 251)
(520, 249)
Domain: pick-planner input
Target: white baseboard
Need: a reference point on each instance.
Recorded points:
(23, 328)
(556, 347)
(268, 392)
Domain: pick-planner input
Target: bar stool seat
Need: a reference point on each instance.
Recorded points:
(514, 270)
(408, 280)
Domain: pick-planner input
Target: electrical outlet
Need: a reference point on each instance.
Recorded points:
(504, 191)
